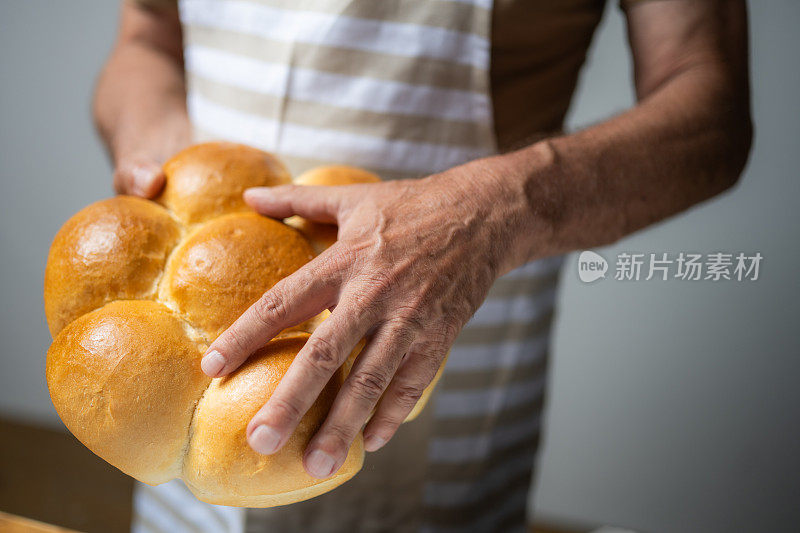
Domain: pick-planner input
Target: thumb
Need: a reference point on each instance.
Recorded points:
(317, 203)
(139, 177)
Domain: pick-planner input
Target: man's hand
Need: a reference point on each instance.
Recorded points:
(414, 260)
(140, 104)
(137, 166)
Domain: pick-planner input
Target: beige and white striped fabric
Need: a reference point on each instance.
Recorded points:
(393, 89)
(401, 87)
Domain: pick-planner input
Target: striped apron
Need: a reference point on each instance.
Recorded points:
(400, 87)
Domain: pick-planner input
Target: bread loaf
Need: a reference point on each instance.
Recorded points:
(134, 293)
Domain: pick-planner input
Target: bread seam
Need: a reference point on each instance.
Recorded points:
(184, 231)
(190, 430)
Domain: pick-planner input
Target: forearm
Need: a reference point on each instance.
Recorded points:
(686, 140)
(684, 143)
(141, 92)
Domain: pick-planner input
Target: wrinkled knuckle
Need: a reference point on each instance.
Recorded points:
(408, 395)
(435, 336)
(285, 410)
(409, 317)
(361, 307)
(341, 434)
(429, 356)
(270, 308)
(368, 385)
(322, 355)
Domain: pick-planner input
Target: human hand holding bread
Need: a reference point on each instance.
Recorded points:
(136, 291)
(407, 271)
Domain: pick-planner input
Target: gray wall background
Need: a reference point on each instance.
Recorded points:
(674, 406)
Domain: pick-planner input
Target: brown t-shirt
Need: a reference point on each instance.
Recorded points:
(538, 48)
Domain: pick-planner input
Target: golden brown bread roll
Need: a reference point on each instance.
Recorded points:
(336, 175)
(114, 249)
(125, 379)
(134, 293)
(219, 270)
(207, 180)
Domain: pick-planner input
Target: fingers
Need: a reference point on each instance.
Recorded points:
(139, 177)
(309, 373)
(289, 302)
(371, 374)
(317, 203)
(405, 390)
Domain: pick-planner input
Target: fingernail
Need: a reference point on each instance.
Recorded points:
(373, 443)
(320, 464)
(265, 440)
(212, 363)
